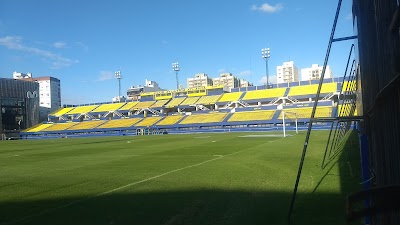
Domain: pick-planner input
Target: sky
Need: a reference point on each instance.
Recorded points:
(83, 43)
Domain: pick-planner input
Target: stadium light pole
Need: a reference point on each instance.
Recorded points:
(266, 54)
(175, 67)
(119, 77)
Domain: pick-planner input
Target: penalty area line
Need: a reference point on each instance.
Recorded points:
(117, 189)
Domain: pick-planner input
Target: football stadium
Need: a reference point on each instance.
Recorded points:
(323, 151)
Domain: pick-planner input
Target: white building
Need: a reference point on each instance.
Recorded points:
(49, 92)
(226, 80)
(288, 72)
(199, 80)
(133, 92)
(245, 83)
(314, 72)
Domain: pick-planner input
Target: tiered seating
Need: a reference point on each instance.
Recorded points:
(174, 102)
(128, 105)
(148, 121)
(82, 109)
(141, 105)
(204, 118)
(267, 93)
(252, 115)
(230, 97)
(60, 126)
(61, 111)
(190, 101)
(39, 127)
(120, 123)
(312, 89)
(304, 113)
(159, 103)
(87, 125)
(109, 107)
(170, 120)
(208, 100)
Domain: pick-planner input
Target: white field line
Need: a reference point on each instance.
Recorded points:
(119, 188)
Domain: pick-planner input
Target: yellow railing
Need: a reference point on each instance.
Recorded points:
(120, 123)
(204, 118)
(267, 93)
(170, 120)
(252, 115)
(229, 97)
(148, 121)
(109, 107)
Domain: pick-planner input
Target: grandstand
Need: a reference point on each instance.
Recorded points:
(177, 111)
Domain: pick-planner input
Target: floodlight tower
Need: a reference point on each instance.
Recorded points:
(175, 67)
(266, 53)
(119, 77)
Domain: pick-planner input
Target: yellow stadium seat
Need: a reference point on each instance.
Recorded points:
(120, 123)
(312, 89)
(190, 101)
(170, 120)
(208, 100)
(159, 103)
(128, 106)
(229, 97)
(174, 102)
(347, 110)
(60, 126)
(148, 121)
(204, 118)
(267, 93)
(349, 86)
(61, 111)
(252, 115)
(39, 127)
(82, 109)
(305, 113)
(87, 125)
(141, 105)
(109, 107)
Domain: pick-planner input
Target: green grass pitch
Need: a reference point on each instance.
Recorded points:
(209, 178)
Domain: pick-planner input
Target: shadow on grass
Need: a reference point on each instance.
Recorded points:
(185, 207)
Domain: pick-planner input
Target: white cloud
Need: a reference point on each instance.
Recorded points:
(15, 43)
(222, 71)
(83, 46)
(59, 44)
(267, 8)
(349, 16)
(105, 75)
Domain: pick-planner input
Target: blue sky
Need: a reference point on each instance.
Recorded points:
(82, 43)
